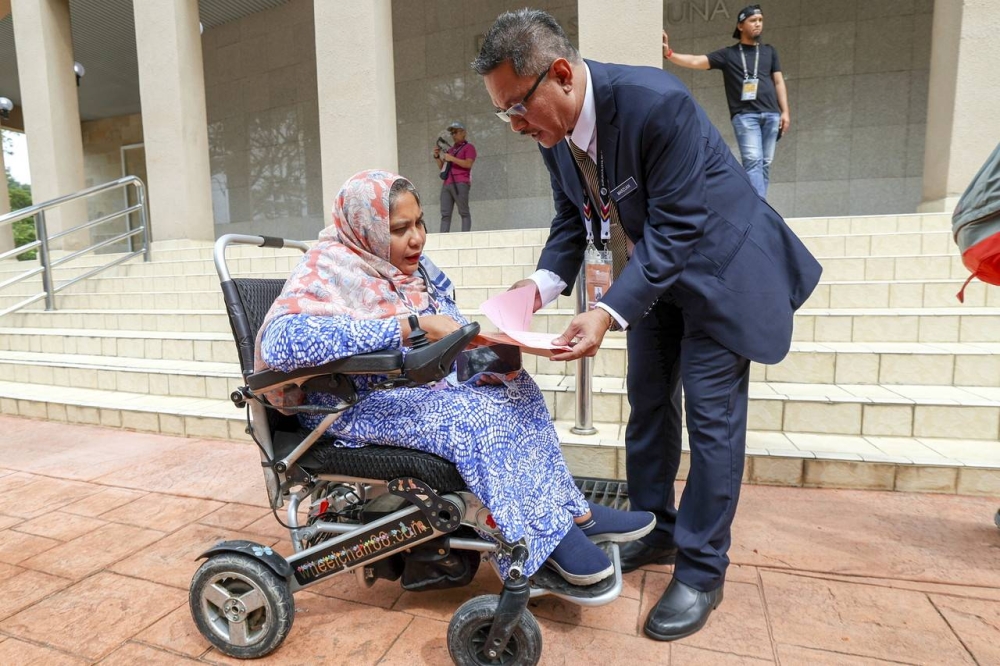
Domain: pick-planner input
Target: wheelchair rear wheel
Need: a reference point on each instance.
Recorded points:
(470, 626)
(241, 606)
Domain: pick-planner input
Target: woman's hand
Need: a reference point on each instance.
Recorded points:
(435, 326)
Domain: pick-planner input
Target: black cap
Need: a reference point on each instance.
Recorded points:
(745, 13)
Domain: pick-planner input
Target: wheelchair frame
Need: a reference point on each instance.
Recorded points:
(224, 609)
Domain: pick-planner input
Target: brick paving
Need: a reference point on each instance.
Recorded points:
(99, 529)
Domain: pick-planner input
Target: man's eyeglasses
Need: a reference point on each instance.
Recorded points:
(520, 109)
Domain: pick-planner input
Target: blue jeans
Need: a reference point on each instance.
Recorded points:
(757, 134)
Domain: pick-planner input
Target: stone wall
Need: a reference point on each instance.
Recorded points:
(856, 70)
(263, 127)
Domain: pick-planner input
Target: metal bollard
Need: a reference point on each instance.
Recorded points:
(584, 370)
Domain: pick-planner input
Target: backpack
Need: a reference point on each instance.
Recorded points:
(976, 224)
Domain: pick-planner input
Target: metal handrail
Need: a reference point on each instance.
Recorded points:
(49, 288)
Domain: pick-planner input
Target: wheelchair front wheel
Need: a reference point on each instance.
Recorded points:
(241, 606)
(470, 626)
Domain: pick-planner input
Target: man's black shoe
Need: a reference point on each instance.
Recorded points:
(681, 611)
(635, 554)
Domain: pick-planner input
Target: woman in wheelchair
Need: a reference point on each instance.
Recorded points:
(352, 293)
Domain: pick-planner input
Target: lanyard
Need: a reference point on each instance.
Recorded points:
(604, 204)
(756, 61)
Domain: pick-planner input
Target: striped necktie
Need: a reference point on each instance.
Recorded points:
(618, 243)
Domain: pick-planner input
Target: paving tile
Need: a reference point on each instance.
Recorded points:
(43, 495)
(13, 651)
(875, 622)
(330, 630)
(738, 623)
(165, 513)
(60, 526)
(54, 448)
(98, 614)
(17, 546)
(9, 521)
(977, 624)
(864, 533)
(176, 632)
(565, 643)
(93, 551)
(172, 560)
(216, 470)
(234, 516)
(423, 642)
(19, 588)
(686, 655)
(135, 653)
(964, 591)
(104, 501)
(793, 655)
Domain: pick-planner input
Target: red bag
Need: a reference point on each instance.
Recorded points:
(976, 224)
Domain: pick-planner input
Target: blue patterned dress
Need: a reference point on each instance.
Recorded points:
(500, 438)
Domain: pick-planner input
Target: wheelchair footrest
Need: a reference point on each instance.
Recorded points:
(547, 579)
(606, 492)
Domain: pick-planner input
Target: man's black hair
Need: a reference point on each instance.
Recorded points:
(529, 38)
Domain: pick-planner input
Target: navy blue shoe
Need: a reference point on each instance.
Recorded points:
(578, 560)
(607, 524)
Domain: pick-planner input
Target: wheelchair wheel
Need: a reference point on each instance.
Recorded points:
(470, 626)
(242, 607)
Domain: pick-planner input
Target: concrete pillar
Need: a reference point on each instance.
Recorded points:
(6, 231)
(357, 91)
(51, 111)
(627, 33)
(174, 120)
(964, 99)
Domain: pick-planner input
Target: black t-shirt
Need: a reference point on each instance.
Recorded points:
(728, 60)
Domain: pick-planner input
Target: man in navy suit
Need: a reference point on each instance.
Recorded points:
(712, 278)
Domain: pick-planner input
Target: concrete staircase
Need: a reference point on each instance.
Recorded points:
(890, 384)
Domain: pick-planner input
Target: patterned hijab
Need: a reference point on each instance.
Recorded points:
(348, 272)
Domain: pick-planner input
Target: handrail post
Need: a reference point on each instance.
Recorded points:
(140, 194)
(42, 234)
(584, 368)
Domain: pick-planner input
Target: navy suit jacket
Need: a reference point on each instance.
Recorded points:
(700, 230)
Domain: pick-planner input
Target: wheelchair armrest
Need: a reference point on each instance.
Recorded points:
(433, 361)
(384, 362)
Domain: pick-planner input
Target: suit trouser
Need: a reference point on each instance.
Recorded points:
(451, 194)
(663, 356)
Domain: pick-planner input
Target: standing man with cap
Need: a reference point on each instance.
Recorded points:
(455, 165)
(706, 277)
(755, 90)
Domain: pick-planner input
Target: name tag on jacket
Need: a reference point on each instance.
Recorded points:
(624, 189)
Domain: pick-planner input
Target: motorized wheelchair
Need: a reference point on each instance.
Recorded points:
(380, 512)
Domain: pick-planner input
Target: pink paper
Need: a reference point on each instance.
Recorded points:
(511, 312)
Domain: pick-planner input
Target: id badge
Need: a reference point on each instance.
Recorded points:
(749, 90)
(597, 275)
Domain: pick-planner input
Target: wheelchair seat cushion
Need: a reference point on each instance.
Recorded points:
(372, 462)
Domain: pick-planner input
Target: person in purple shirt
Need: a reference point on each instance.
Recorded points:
(455, 165)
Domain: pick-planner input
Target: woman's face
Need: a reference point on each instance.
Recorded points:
(407, 233)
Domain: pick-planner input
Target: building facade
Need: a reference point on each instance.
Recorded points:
(246, 116)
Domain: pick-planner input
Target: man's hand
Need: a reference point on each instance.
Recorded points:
(437, 153)
(666, 44)
(588, 330)
(529, 283)
(786, 122)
